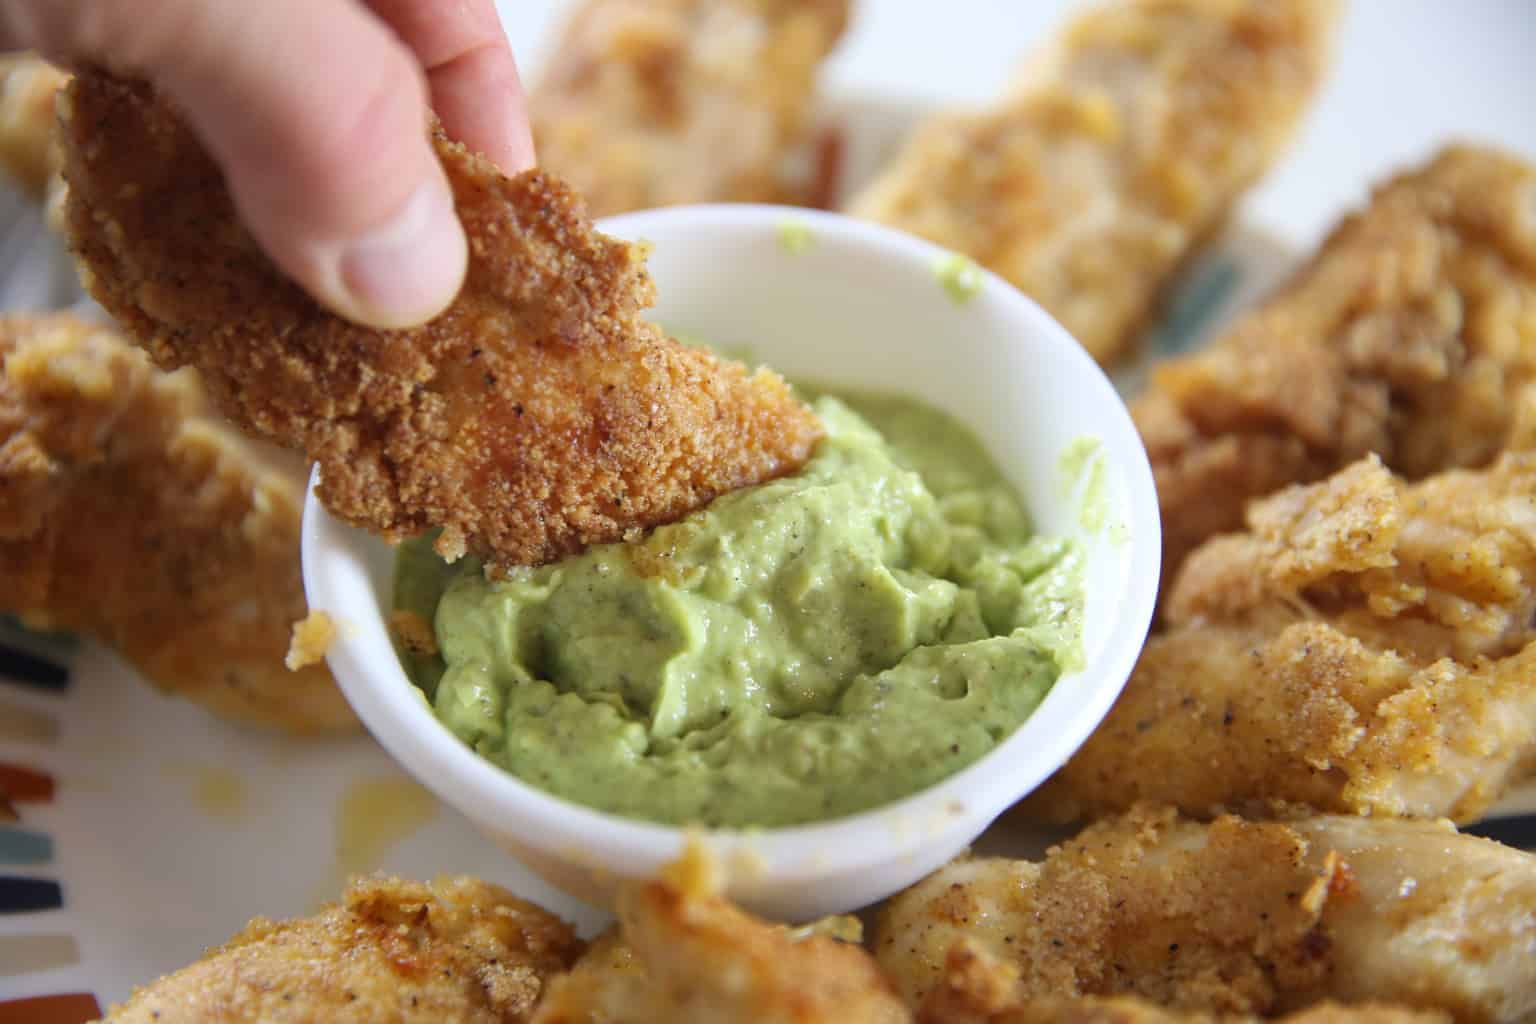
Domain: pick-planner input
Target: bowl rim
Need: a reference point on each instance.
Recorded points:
(493, 797)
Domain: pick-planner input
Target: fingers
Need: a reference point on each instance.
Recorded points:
(471, 73)
(316, 112)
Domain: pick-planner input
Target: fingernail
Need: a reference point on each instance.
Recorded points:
(407, 271)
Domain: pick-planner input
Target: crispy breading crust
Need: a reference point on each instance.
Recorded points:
(1226, 927)
(128, 512)
(28, 86)
(684, 955)
(1369, 646)
(310, 640)
(392, 952)
(649, 103)
(1409, 334)
(536, 416)
(1229, 918)
(978, 987)
(1121, 153)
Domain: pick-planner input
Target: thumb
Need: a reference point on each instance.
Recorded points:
(317, 114)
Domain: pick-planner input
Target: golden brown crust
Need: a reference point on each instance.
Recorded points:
(538, 415)
(1230, 918)
(311, 640)
(1225, 926)
(684, 955)
(656, 102)
(392, 952)
(1408, 335)
(1369, 646)
(980, 988)
(1117, 157)
(128, 512)
(413, 632)
(28, 86)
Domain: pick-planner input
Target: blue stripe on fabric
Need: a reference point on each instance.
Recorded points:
(1518, 831)
(19, 846)
(31, 670)
(23, 895)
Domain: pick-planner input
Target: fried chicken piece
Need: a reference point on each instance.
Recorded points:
(657, 102)
(28, 86)
(1410, 334)
(1117, 157)
(683, 955)
(978, 987)
(538, 415)
(392, 952)
(128, 512)
(1235, 917)
(1369, 646)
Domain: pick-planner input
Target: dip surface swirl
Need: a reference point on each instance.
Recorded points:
(797, 651)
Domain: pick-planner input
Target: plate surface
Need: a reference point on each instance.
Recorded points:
(149, 831)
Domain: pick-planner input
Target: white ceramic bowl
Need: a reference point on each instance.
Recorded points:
(853, 305)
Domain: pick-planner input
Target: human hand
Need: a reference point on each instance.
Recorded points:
(315, 110)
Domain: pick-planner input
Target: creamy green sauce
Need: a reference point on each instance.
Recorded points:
(1084, 472)
(797, 651)
(795, 236)
(959, 276)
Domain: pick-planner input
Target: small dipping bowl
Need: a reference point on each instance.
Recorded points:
(847, 304)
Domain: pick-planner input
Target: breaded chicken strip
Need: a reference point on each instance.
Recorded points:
(1117, 156)
(657, 102)
(683, 955)
(392, 952)
(28, 87)
(1410, 334)
(1238, 918)
(128, 512)
(1369, 647)
(538, 415)
(978, 987)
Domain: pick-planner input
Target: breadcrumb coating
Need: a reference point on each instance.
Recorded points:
(978, 987)
(1369, 646)
(129, 512)
(28, 87)
(312, 638)
(648, 103)
(392, 952)
(1116, 157)
(1410, 334)
(682, 954)
(1228, 918)
(537, 416)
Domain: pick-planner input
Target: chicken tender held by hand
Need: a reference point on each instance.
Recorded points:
(683, 955)
(1117, 156)
(392, 952)
(1368, 647)
(127, 511)
(649, 103)
(1409, 334)
(1235, 918)
(537, 416)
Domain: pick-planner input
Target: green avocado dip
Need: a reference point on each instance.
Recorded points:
(797, 651)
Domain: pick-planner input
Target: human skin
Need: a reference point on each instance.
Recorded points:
(332, 171)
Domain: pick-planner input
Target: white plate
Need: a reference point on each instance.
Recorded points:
(168, 830)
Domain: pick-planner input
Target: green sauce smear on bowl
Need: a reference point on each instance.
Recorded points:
(959, 276)
(816, 646)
